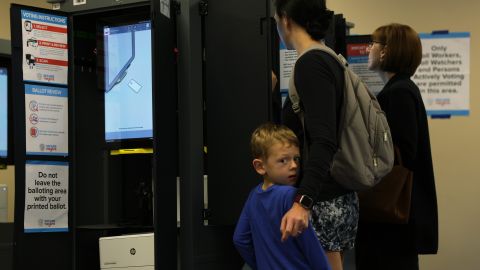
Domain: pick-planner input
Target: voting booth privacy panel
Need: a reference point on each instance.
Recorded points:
(70, 188)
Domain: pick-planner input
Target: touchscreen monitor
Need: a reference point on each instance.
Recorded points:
(128, 81)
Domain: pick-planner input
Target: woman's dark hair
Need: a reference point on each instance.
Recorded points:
(403, 48)
(312, 15)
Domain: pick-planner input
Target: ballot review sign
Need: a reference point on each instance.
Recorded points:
(46, 120)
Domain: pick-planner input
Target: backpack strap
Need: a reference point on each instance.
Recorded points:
(292, 90)
(297, 108)
(340, 59)
(295, 99)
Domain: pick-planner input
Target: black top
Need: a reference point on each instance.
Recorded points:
(402, 102)
(319, 80)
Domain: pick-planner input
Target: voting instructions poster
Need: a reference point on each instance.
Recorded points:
(45, 47)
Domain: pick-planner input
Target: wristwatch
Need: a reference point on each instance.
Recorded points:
(304, 200)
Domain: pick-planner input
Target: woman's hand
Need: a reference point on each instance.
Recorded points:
(294, 222)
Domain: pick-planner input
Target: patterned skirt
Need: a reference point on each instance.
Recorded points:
(336, 221)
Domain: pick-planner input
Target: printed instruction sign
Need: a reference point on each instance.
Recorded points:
(444, 74)
(45, 47)
(358, 62)
(165, 8)
(46, 123)
(288, 58)
(46, 196)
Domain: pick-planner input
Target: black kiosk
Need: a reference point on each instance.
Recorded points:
(121, 96)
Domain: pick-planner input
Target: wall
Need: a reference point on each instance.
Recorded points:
(454, 141)
(7, 176)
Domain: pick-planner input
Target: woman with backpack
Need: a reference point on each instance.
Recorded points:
(396, 52)
(319, 80)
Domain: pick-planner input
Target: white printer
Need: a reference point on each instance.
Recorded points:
(135, 251)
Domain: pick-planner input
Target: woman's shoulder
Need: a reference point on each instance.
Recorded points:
(400, 91)
(317, 57)
(404, 82)
(402, 86)
(320, 64)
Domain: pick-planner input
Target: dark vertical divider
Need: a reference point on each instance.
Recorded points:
(37, 250)
(190, 128)
(237, 99)
(165, 158)
(220, 108)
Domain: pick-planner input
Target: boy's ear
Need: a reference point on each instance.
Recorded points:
(258, 166)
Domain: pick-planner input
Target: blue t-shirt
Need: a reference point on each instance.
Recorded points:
(257, 236)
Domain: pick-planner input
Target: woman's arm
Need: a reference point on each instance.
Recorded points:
(316, 84)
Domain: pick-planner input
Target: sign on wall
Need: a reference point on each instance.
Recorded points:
(46, 196)
(444, 74)
(46, 123)
(45, 47)
(358, 61)
(287, 63)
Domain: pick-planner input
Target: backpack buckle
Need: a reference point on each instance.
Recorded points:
(296, 107)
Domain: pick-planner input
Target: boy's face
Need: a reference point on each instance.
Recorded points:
(281, 167)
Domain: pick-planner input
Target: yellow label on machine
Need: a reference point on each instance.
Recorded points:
(131, 151)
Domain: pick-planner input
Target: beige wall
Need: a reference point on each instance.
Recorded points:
(454, 141)
(5, 13)
(7, 176)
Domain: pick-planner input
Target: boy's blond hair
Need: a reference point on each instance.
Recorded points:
(267, 135)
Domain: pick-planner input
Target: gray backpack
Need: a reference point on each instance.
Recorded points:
(365, 148)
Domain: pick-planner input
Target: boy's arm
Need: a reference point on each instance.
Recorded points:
(242, 239)
(313, 251)
(308, 241)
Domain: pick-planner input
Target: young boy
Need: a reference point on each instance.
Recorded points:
(257, 236)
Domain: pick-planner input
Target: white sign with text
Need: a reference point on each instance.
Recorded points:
(444, 74)
(46, 196)
(288, 58)
(45, 47)
(46, 120)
